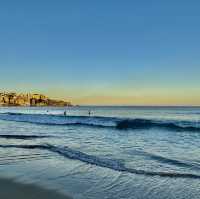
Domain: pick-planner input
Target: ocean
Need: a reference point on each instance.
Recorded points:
(114, 153)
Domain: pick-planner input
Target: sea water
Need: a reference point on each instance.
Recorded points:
(115, 153)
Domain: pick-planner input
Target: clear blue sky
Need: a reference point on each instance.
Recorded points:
(102, 52)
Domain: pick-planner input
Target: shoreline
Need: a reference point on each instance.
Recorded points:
(12, 189)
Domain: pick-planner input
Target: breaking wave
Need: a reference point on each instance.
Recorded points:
(145, 123)
(101, 162)
(101, 122)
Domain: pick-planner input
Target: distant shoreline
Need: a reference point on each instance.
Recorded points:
(8, 106)
(29, 99)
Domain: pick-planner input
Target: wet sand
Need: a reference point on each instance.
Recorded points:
(13, 190)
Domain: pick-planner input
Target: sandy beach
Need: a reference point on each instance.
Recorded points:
(11, 189)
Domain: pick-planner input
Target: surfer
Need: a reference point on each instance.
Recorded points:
(65, 113)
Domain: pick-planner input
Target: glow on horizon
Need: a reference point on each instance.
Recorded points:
(122, 95)
(152, 98)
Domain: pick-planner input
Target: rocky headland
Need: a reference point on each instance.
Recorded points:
(14, 99)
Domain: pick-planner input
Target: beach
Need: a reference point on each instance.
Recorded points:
(11, 189)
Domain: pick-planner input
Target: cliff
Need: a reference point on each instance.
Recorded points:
(14, 99)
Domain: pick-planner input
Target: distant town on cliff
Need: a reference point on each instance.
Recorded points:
(14, 99)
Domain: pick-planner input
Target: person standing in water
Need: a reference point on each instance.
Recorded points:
(89, 112)
(65, 113)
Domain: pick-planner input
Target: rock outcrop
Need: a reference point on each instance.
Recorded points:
(14, 99)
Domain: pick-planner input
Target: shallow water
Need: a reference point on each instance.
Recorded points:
(117, 152)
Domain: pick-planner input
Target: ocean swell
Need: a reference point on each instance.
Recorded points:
(166, 160)
(101, 162)
(101, 122)
(146, 124)
(23, 137)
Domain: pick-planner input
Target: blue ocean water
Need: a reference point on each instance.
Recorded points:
(115, 153)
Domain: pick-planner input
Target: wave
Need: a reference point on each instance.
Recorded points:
(23, 137)
(60, 120)
(101, 162)
(145, 124)
(101, 122)
(166, 160)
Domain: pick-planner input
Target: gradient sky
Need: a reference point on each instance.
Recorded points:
(143, 52)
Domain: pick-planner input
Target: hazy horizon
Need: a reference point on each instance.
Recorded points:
(102, 53)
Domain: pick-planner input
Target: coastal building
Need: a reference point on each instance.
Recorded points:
(14, 99)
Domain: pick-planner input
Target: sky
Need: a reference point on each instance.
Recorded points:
(102, 52)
